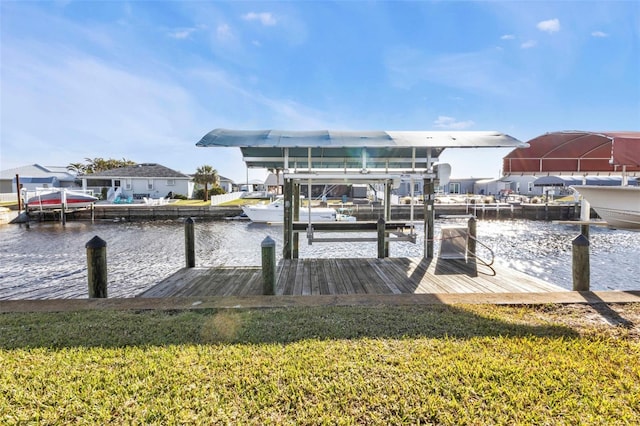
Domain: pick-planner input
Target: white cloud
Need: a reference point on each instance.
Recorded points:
(224, 32)
(265, 18)
(508, 37)
(182, 33)
(549, 26)
(444, 122)
(599, 34)
(528, 44)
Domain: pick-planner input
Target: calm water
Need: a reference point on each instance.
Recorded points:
(49, 260)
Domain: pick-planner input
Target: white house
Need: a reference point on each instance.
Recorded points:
(36, 176)
(146, 180)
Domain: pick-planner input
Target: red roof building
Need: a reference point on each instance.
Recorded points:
(576, 152)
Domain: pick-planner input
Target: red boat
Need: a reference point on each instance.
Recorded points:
(53, 199)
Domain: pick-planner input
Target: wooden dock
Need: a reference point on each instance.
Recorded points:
(352, 276)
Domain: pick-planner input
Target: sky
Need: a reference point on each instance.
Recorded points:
(146, 80)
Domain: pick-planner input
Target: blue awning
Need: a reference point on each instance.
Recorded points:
(578, 180)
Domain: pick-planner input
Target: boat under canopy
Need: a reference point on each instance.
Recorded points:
(576, 151)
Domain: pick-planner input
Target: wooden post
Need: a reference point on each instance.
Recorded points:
(268, 266)
(287, 249)
(580, 266)
(429, 216)
(63, 206)
(471, 239)
(19, 192)
(296, 217)
(387, 199)
(382, 250)
(189, 243)
(97, 267)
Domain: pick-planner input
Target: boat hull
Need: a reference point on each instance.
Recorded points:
(53, 200)
(619, 206)
(274, 213)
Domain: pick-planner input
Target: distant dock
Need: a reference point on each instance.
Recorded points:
(300, 277)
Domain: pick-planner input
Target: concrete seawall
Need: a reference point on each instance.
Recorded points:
(361, 211)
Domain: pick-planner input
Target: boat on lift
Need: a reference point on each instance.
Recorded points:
(53, 198)
(274, 213)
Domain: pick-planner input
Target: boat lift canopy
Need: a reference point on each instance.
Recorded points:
(360, 150)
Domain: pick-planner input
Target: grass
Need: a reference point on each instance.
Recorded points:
(191, 203)
(341, 365)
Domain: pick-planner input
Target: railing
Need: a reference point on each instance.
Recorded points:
(9, 197)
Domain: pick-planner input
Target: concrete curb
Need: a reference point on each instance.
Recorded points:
(265, 302)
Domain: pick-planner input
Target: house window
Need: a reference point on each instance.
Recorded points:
(171, 182)
(127, 185)
(454, 188)
(149, 184)
(530, 187)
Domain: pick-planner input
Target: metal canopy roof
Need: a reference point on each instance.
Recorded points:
(576, 151)
(271, 149)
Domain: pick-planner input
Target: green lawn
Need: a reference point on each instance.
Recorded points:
(342, 365)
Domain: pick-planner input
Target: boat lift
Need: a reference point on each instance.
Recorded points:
(347, 157)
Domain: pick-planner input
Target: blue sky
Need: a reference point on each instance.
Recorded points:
(145, 80)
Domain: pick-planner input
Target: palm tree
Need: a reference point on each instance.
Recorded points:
(77, 168)
(206, 175)
(98, 164)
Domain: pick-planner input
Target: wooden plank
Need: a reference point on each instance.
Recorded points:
(350, 276)
(342, 286)
(282, 277)
(328, 273)
(386, 278)
(320, 284)
(306, 278)
(298, 277)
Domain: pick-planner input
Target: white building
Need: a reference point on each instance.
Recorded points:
(146, 180)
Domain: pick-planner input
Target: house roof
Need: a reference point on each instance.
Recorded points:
(348, 149)
(144, 170)
(576, 151)
(38, 171)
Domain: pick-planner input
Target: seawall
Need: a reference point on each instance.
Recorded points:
(361, 211)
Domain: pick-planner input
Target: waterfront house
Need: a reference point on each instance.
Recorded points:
(146, 180)
(35, 176)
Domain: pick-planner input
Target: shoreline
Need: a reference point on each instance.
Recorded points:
(135, 212)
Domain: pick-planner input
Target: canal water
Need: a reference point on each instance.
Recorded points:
(48, 260)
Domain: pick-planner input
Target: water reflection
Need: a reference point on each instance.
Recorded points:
(49, 260)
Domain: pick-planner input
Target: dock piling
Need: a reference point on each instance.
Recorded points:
(268, 266)
(580, 266)
(97, 267)
(382, 247)
(189, 243)
(471, 240)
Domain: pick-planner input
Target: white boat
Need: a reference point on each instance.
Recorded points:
(274, 213)
(619, 206)
(53, 199)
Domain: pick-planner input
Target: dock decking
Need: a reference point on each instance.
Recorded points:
(352, 276)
